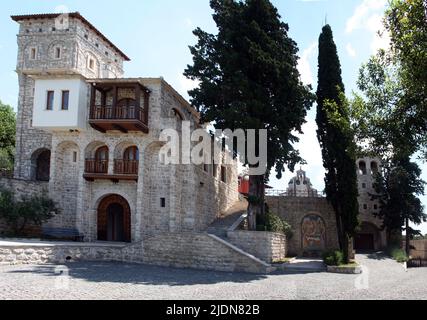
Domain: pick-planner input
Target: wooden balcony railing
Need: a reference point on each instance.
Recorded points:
(98, 112)
(126, 167)
(96, 166)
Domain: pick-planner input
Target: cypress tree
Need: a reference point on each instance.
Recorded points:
(337, 141)
(248, 79)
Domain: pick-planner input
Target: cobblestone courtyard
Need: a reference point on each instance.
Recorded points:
(387, 280)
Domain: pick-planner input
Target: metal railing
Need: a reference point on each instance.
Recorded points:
(285, 193)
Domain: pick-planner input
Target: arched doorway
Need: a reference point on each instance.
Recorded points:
(40, 162)
(313, 235)
(368, 238)
(114, 219)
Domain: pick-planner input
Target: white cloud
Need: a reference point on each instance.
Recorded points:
(186, 84)
(368, 16)
(362, 13)
(304, 66)
(351, 51)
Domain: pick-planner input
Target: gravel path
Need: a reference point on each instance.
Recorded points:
(386, 280)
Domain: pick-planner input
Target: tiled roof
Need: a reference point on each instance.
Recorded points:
(75, 15)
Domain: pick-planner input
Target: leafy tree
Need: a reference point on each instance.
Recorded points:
(248, 79)
(406, 22)
(7, 136)
(18, 214)
(337, 141)
(384, 131)
(398, 190)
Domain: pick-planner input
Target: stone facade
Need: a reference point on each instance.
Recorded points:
(370, 227)
(267, 246)
(313, 218)
(165, 198)
(322, 226)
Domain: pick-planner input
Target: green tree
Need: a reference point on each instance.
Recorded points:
(398, 190)
(384, 131)
(337, 141)
(405, 20)
(7, 136)
(18, 214)
(248, 79)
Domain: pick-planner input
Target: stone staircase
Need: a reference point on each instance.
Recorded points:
(227, 219)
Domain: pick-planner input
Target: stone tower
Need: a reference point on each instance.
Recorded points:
(54, 47)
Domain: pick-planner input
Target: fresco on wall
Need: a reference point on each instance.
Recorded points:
(313, 233)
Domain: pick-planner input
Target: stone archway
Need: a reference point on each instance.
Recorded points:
(313, 230)
(367, 238)
(114, 219)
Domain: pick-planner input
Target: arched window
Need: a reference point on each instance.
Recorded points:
(362, 168)
(131, 154)
(374, 168)
(130, 162)
(101, 160)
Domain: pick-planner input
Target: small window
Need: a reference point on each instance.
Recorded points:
(65, 100)
(58, 53)
(223, 174)
(40, 30)
(365, 207)
(91, 64)
(33, 54)
(364, 185)
(49, 100)
(53, 29)
(106, 53)
(97, 45)
(86, 36)
(205, 168)
(163, 202)
(74, 156)
(375, 207)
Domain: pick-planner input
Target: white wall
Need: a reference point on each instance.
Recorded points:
(75, 118)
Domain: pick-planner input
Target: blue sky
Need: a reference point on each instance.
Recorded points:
(156, 35)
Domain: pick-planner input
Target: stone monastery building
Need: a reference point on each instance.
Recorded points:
(91, 137)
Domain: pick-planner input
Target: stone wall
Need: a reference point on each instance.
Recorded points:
(294, 210)
(180, 250)
(266, 246)
(199, 251)
(420, 250)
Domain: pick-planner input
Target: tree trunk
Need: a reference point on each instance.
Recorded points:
(408, 239)
(345, 249)
(256, 199)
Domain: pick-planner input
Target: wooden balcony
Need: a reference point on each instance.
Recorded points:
(119, 106)
(123, 170)
(129, 167)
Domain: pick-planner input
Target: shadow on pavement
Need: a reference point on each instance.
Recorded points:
(142, 274)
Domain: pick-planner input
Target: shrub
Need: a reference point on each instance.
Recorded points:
(333, 258)
(399, 255)
(18, 214)
(274, 223)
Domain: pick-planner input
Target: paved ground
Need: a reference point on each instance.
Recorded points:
(387, 280)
